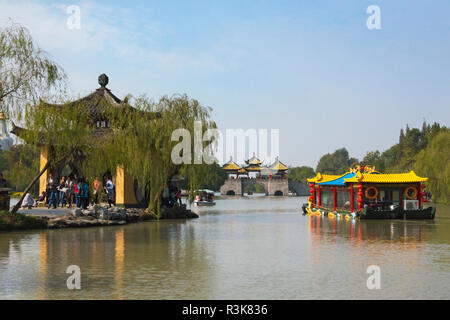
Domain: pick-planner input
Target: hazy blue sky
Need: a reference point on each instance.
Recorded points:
(310, 68)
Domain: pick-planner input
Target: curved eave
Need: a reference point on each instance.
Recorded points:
(323, 178)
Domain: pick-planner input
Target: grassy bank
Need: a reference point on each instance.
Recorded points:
(17, 221)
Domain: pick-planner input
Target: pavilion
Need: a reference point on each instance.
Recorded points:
(91, 106)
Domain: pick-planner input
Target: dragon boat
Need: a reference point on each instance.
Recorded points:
(365, 193)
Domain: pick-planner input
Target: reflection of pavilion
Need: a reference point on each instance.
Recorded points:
(93, 107)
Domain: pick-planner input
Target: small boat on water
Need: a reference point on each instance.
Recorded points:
(204, 198)
(365, 193)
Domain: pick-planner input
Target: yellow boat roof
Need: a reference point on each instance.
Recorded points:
(386, 178)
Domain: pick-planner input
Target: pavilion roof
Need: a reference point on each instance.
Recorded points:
(278, 166)
(93, 104)
(253, 161)
(231, 166)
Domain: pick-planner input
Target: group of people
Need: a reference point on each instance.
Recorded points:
(74, 190)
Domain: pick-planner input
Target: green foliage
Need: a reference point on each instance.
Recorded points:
(212, 177)
(4, 164)
(256, 188)
(335, 163)
(23, 161)
(18, 221)
(425, 151)
(301, 173)
(434, 162)
(25, 71)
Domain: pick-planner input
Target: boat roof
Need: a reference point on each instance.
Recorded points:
(369, 175)
(204, 190)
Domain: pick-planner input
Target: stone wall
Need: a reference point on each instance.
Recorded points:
(231, 185)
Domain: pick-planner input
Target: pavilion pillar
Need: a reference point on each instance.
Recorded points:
(124, 185)
(43, 158)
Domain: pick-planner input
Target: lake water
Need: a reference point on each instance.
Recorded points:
(243, 248)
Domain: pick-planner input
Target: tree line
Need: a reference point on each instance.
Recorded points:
(425, 150)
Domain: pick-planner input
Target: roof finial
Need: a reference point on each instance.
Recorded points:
(103, 80)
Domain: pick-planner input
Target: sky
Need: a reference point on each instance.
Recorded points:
(311, 69)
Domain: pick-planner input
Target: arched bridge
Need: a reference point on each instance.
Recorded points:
(272, 187)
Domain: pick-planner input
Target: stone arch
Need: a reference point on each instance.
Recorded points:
(231, 193)
(278, 193)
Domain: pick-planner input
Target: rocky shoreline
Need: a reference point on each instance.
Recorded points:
(103, 216)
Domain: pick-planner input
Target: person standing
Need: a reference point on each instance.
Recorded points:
(53, 194)
(84, 193)
(179, 197)
(77, 192)
(110, 192)
(49, 188)
(62, 191)
(97, 184)
(70, 191)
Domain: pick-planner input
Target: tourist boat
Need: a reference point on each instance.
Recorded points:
(204, 197)
(365, 193)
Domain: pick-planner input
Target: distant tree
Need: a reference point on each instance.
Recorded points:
(373, 158)
(300, 174)
(335, 163)
(434, 162)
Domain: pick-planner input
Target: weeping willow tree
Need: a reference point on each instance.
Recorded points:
(142, 144)
(26, 72)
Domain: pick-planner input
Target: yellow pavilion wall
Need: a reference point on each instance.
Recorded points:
(42, 162)
(124, 188)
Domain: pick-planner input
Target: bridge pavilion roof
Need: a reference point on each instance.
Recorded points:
(231, 166)
(253, 161)
(278, 166)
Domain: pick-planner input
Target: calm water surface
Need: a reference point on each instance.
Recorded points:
(243, 248)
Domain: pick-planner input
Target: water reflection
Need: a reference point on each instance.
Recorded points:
(242, 248)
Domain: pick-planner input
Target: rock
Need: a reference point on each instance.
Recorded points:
(104, 214)
(77, 212)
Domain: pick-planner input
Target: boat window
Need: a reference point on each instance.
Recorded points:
(343, 198)
(326, 198)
